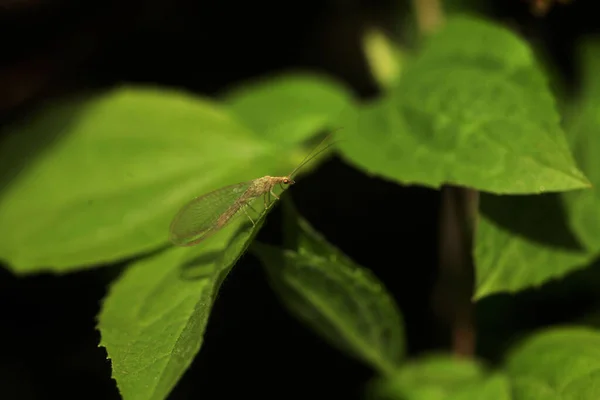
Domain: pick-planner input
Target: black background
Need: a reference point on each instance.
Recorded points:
(252, 347)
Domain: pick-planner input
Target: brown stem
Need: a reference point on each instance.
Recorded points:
(429, 15)
(454, 288)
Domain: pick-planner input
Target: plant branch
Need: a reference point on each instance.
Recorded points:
(453, 291)
(429, 15)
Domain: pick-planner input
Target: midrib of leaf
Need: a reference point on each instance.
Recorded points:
(494, 141)
(144, 324)
(525, 157)
(315, 299)
(188, 177)
(204, 321)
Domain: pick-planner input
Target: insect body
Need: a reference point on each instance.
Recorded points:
(206, 215)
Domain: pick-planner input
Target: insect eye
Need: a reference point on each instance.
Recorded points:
(286, 181)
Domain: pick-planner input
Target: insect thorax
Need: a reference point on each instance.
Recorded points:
(263, 185)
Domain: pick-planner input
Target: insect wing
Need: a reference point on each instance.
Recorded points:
(206, 214)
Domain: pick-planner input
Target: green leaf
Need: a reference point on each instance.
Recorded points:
(343, 302)
(526, 241)
(473, 109)
(385, 60)
(153, 319)
(288, 107)
(494, 387)
(97, 179)
(441, 377)
(561, 363)
(522, 242)
(583, 125)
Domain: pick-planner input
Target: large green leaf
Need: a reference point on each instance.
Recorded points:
(562, 363)
(473, 109)
(153, 319)
(525, 241)
(96, 179)
(340, 300)
(288, 107)
(441, 377)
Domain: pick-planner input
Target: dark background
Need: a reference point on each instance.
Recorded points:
(252, 347)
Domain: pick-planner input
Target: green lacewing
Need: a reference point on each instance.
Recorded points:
(206, 215)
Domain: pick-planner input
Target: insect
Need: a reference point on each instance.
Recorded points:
(207, 214)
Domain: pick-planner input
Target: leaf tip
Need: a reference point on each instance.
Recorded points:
(481, 293)
(489, 289)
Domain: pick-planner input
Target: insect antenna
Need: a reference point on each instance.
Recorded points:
(310, 156)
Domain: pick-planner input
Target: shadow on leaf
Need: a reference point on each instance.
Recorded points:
(539, 218)
(200, 267)
(26, 139)
(217, 264)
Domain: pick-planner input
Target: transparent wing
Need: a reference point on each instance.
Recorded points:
(207, 214)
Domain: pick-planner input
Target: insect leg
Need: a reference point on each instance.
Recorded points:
(274, 195)
(252, 208)
(248, 215)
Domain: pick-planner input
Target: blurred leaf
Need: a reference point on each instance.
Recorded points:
(473, 109)
(494, 387)
(384, 57)
(340, 300)
(98, 179)
(153, 320)
(442, 377)
(289, 107)
(560, 363)
(524, 241)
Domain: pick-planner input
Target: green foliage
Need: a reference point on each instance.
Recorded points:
(94, 180)
(441, 377)
(525, 241)
(118, 167)
(153, 320)
(385, 59)
(340, 300)
(561, 363)
(522, 242)
(472, 109)
(289, 107)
